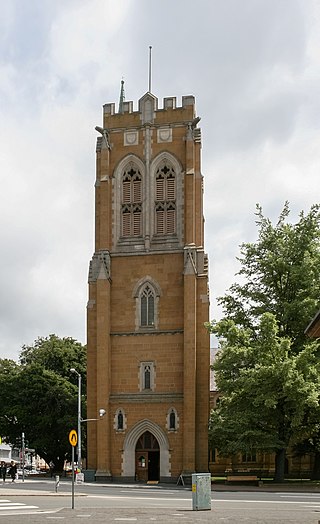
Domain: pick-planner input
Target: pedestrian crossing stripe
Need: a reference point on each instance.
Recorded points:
(7, 505)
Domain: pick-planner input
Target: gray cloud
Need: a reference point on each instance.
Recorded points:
(253, 67)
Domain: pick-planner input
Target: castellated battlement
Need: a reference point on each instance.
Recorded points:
(149, 112)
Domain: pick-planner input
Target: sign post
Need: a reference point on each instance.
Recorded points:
(73, 439)
(23, 452)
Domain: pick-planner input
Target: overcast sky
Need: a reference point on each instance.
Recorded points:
(254, 68)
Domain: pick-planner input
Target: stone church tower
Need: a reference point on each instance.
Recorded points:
(148, 349)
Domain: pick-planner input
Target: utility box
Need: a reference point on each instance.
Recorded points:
(201, 491)
(89, 475)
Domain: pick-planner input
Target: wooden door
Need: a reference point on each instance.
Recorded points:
(142, 466)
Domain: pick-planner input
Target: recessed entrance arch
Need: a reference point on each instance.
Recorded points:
(160, 458)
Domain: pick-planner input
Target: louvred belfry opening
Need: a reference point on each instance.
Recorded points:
(131, 203)
(165, 205)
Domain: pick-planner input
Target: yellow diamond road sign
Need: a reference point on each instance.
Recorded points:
(73, 437)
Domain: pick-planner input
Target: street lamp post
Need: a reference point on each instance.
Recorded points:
(102, 412)
(79, 416)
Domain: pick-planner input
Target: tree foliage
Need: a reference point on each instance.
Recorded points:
(267, 369)
(279, 274)
(39, 396)
(56, 354)
(270, 394)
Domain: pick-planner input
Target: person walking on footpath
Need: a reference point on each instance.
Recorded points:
(13, 471)
(3, 470)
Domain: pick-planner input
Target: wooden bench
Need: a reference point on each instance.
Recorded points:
(242, 478)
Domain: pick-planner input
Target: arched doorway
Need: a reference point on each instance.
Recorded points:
(147, 458)
(129, 449)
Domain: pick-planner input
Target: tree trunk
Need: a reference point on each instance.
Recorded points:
(280, 460)
(315, 475)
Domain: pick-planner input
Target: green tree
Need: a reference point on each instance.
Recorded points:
(39, 396)
(9, 371)
(279, 274)
(270, 394)
(58, 355)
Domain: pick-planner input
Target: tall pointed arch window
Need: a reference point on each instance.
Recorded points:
(146, 293)
(131, 202)
(165, 200)
(147, 299)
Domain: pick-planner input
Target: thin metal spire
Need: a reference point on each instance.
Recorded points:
(150, 53)
(122, 97)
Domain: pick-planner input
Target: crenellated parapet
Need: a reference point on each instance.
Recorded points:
(169, 103)
(149, 112)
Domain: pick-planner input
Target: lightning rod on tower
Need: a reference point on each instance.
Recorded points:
(150, 52)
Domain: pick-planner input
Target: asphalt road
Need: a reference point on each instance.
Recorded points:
(33, 502)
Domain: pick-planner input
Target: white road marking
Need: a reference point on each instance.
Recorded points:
(17, 505)
(115, 497)
(126, 519)
(301, 496)
(215, 501)
(9, 508)
(243, 501)
(141, 490)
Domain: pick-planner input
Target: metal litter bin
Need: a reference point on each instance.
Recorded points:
(201, 491)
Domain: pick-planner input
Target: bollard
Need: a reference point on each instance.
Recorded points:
(57, 482)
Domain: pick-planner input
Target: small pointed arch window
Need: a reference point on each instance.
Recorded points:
(165, 200)
(131, 202)
(147, 376)
(172, 420)
(119, 420)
